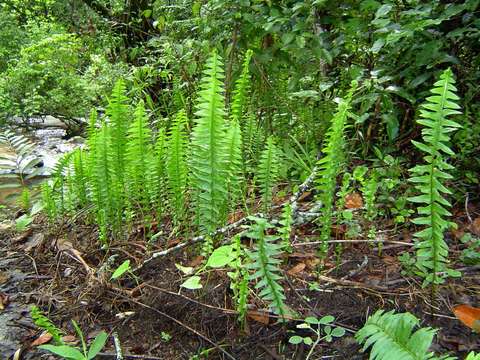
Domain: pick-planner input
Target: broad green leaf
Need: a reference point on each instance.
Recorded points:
(64, 351)
(187, 270)
(97, 345)
(295, 340)
(192, 283)
(221, 257)
(122, 269)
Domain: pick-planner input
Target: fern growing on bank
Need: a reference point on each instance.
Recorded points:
(329, 166)
(432, 250)
(267, 172)
(265, 262)
(176, 165)
(208, 162)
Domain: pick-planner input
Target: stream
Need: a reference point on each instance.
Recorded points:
(17, 270)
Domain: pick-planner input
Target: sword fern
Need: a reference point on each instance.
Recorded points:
(432, 250)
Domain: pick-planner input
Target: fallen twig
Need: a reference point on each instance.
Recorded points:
(118, 347)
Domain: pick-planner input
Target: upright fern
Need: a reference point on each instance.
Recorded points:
(104, 188)
(241, 89)
(329, 166)
(119, 119)
(208, 162)
(158, 183)
(267, 172)
(265, 262)
(432, 250)
(176, 165)
(391, 337)
(138, 161)
(233, 151)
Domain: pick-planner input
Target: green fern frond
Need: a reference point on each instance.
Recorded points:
(329, 166)
(391, 336)
(241, 89)
(158, 173)
(137, 158)
(432, 250)
(268, 171)
(253, 138)
(235, 178)
(118, 113)
(265, 262)
(176, 165)
(103, 185)
(285, 229)
(473, 356)
(208, 162)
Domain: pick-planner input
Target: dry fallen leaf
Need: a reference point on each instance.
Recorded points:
(69, 340)
(353, 201)
(259, 316)
(196, 261)
(468, 315)
(297, 269)
(4, 301)
(475, 227)
(44, 338)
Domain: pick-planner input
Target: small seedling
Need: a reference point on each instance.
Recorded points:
(72, 353)
(322, 329)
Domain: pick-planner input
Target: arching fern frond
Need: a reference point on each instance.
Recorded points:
(176, 165)
(265, 262)
(391, 336)
(208, 163)
(432, 250)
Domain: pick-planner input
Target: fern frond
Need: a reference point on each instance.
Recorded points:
(330, 164)
(176, 165)
(432, 250)
(208, 163)
(285, 229)
(235, 178)
(265, 262)
(268, 171)
(103, 185)
(159, 190)
(118, 113)
(391, 336)
(242, 86)
(137, 159)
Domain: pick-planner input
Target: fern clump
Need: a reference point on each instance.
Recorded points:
(432, 250)
(265, 262)
(176, 165)
(268, 171)
(208, 162)
(329, 166)
(391, 336)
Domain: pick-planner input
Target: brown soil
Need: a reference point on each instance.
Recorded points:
(203, 321)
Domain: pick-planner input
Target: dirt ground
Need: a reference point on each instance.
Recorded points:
(154, 318)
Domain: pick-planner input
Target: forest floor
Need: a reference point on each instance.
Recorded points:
(154, 318)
